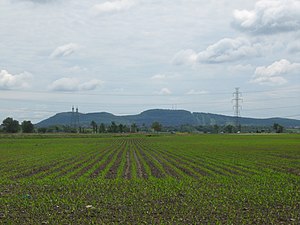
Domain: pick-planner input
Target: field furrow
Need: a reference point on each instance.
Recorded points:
(169, 168)
(155, 167)
(101, 154)
(144, 170)
(140, 168)
(34, 171)
(73, 167)
(90, 164)
(106, 161)
(127, 170)
(179, 167)
(116, 166)
(202, 165)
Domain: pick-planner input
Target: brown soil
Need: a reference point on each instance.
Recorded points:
(88, 167)
(178, 163)
(103, 165)
(127, 174)
(75, 167)
(156, 172)
(35, 171)
(141, 170)
(108, 160)
(113, 170)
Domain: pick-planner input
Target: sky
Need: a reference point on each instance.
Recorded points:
(127, 56)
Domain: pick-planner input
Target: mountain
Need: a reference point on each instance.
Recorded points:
(165, 117)
(211, 119)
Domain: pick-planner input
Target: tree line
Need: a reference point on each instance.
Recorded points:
(113, 128)
(122, 128)
(9, 125)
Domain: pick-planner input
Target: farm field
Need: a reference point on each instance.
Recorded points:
(159, 179)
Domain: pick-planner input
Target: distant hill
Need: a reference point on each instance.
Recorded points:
(165, 117)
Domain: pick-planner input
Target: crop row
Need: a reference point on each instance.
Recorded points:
(131, 158)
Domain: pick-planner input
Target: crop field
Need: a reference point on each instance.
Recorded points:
(158, 179)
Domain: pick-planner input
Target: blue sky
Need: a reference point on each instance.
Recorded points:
(126, 56)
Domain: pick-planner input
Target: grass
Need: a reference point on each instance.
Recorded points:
(163, 179)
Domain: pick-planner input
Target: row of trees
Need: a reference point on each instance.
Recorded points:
(113, 128)
(121, 128)
(9, 125)
(231, 129)
(101, 128)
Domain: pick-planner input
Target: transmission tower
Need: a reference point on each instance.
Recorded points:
(77, 119)
(73, 118)
(237, 107)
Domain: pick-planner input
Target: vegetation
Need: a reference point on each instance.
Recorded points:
(173, 118)
(10, 125)
(156, 126)
(278, 128)
(154, 179)
(27, 127)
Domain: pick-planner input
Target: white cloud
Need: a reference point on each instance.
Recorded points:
(240, 68)
(90, 85)
(185, 57)
(159, 77)
(229, 49)
(113, 6)
(269, 16)
(18, 81)
(225, 50)
(64, 50)
(165, 91)
(77, 69)
(194, 92)
(74, 84)
(272, 74)
(164, 77)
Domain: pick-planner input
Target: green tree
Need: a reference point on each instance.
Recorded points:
(121, 128)
(42, 130)
(113, 127)
(133, 128)
(278, 128)
(102, 128)
(10, 125)
(229, 129)
(216, 128)
(156, 126)
(94, 126)
(27, 127)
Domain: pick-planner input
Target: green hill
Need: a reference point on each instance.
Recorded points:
(165, 117)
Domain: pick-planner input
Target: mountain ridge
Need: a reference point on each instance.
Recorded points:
(166, 117)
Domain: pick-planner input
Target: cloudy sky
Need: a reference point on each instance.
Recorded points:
(126, 56)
